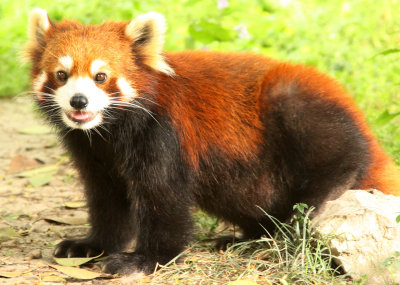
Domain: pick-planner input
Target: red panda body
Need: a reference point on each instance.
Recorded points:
(155, 134)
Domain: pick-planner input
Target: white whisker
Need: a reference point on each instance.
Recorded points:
(89, 135)
(97, 131)
(117, 103)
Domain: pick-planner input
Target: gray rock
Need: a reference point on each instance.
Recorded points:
(367, 237)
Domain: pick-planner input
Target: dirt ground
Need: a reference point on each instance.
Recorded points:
(27, 232)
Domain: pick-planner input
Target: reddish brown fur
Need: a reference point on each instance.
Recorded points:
(382, 174)
(208, 122)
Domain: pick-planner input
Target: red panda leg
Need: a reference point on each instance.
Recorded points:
(317, 146)
(165, 227)
(110, 211)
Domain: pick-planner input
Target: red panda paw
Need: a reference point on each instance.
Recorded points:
(76, 248)
(127, 264)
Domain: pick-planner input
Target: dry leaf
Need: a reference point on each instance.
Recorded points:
(36, 130)
(40, 176)
(68, 220)
(20, 163)
(53, 278)
(40, 179)
(10, 274)
(75, 261)
(54, 230)
(49, 170)
(75, 204)
(77, 273)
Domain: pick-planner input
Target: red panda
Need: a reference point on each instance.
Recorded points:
(156, 133)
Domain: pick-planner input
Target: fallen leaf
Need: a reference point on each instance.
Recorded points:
(75, 261)
(20, 163)
(7, 233)
(53, 278)
(10, 274)
(54, 230)
(36, 130)
(68, 220)
(40, 179)
(75, 204)
(16, 216)
(49, 170)
(77, 273)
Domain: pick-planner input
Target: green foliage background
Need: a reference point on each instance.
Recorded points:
(346, 39)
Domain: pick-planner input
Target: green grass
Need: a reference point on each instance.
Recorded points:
(295, 254)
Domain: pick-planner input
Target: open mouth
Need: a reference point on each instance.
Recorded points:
(81, 116)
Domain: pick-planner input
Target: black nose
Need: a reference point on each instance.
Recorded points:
(78, 101)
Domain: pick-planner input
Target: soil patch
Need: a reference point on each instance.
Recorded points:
(30, 204)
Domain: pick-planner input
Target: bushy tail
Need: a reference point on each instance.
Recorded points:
(383, 174)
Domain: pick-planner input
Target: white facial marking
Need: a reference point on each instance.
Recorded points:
(39, 81)
(66, 62)
(98, 100)
(96, 66)
(125, 88)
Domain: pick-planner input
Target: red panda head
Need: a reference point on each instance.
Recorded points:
(79, 73)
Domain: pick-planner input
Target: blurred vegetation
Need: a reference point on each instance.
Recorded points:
(355, 41)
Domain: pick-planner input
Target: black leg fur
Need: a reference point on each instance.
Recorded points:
(134, 187)
(110, 209)
(165, 228)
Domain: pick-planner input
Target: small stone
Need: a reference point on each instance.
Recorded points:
(35, 254)
(366, 235)
(39, 228)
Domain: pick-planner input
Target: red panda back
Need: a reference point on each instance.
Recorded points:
(382, 172)
(213, 101)
(216, 101)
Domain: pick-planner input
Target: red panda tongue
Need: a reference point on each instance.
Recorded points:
(79, 116)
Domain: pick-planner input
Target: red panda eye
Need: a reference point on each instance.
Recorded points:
(100, 78)
(62, 76)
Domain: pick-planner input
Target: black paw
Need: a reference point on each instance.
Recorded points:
(224, 242)
(76, 248)
(127, 263)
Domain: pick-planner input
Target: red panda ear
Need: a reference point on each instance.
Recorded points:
(38, 24)
(147, 32)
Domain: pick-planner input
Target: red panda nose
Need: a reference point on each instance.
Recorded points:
(79, 101)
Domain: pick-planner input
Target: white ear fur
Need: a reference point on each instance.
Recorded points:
(147, 32)
(38, 23)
